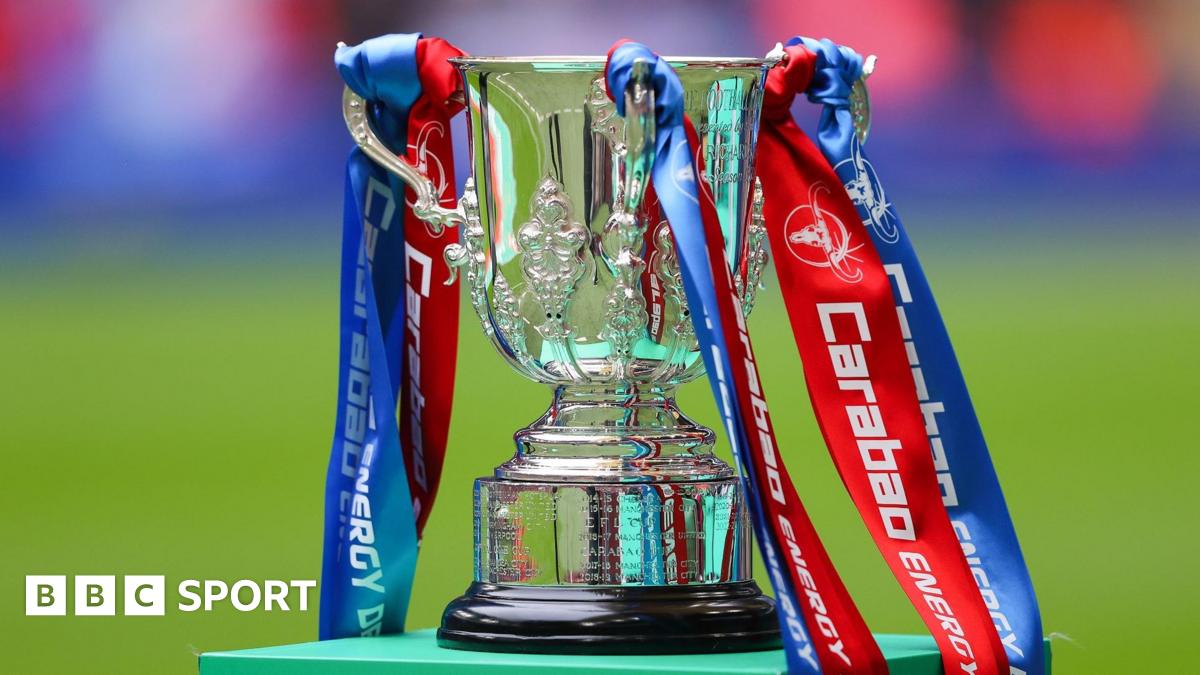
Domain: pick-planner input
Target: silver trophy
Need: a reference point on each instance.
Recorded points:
(613, 527)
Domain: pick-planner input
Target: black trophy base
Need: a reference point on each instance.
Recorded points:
(731, 617)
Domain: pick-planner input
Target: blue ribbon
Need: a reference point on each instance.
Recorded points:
(675, 181)
(370, 551)
(970, 488)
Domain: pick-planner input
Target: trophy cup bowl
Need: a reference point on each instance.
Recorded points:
(613, 528)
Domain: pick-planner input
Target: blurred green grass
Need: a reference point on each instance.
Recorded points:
(171, 414)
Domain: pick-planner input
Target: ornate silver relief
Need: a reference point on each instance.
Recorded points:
(625, 315)
(625, 307)
(605, 120)
(666, 266)
(551, 245)
(470, 254)
(508, 318)
(756, 253)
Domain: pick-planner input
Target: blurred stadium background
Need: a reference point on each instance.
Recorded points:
(170, 186)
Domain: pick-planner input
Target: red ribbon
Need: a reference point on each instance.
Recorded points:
(431, 336)
(846, 328)
(843, 642)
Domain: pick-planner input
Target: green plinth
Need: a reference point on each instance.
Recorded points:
(418, 653)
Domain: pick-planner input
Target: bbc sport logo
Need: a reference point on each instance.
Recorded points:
(146, 595)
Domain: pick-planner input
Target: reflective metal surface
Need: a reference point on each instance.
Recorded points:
(575, 289)
(860, 101)
(615, 534)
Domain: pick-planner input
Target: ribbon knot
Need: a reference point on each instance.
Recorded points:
(668, 92)
(786, 80)
(835, 70)
(382, 70)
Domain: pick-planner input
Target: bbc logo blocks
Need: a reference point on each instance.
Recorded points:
(95, 595)
(45, 596)
(145, 595)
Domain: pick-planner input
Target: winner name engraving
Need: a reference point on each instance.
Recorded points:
(658, 534)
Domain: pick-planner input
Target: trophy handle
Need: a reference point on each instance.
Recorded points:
(426, 206)
(860, 101)
(639, 133)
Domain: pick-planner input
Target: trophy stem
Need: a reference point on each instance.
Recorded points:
(614, 434)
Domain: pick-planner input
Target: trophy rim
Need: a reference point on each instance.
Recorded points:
(583, 62)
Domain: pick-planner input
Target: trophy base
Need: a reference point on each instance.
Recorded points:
(725, 617)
